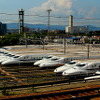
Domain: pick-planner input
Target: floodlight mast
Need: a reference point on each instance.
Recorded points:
(49, 10)
(21, 21)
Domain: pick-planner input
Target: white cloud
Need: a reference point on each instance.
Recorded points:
(85, 12)
(91, 13)
(59, 7)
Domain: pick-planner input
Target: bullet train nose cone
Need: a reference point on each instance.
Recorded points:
(98, 72)
(36, 63)
(64, 73)
(55, 70)
(3, 63)
(42, 65)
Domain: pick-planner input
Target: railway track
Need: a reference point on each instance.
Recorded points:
(44, 75)
(84, 93)
(55, 87)
(26, 73)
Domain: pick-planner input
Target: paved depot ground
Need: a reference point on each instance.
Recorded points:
(57, 49)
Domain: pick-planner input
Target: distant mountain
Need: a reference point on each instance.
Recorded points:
(35, 26)
(44, 27)
(93, 28)
(12, 26)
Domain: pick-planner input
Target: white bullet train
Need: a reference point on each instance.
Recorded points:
(5, 55)
(66, 66)
(58, 61)
(8, 57)
(83, 68)
(37, 63)
(92, 77)
(54, 62)
(22, 59)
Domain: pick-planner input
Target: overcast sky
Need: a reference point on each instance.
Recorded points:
(63, 8)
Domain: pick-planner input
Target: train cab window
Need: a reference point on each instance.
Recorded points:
(47, 57)
(80, 65)
(11, 55)
(70, 63)
(16, 56)
(54, 59)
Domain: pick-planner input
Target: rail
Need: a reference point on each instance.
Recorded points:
(71, 94)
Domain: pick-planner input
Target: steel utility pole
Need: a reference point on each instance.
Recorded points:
(64, 44)
(88, 51)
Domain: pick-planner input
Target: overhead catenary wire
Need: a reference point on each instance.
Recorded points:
(53, 16)
(43, 19)
(87, 18)
(9, 14)
(32, 15)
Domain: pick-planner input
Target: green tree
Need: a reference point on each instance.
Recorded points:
(10, 39)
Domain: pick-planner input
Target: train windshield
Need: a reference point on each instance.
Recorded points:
(71, 63)
(54, 59)
(10, 55)
(48, 57)
(16, 56)
(80, 65)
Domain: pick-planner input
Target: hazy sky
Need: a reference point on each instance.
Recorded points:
(63, 8)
